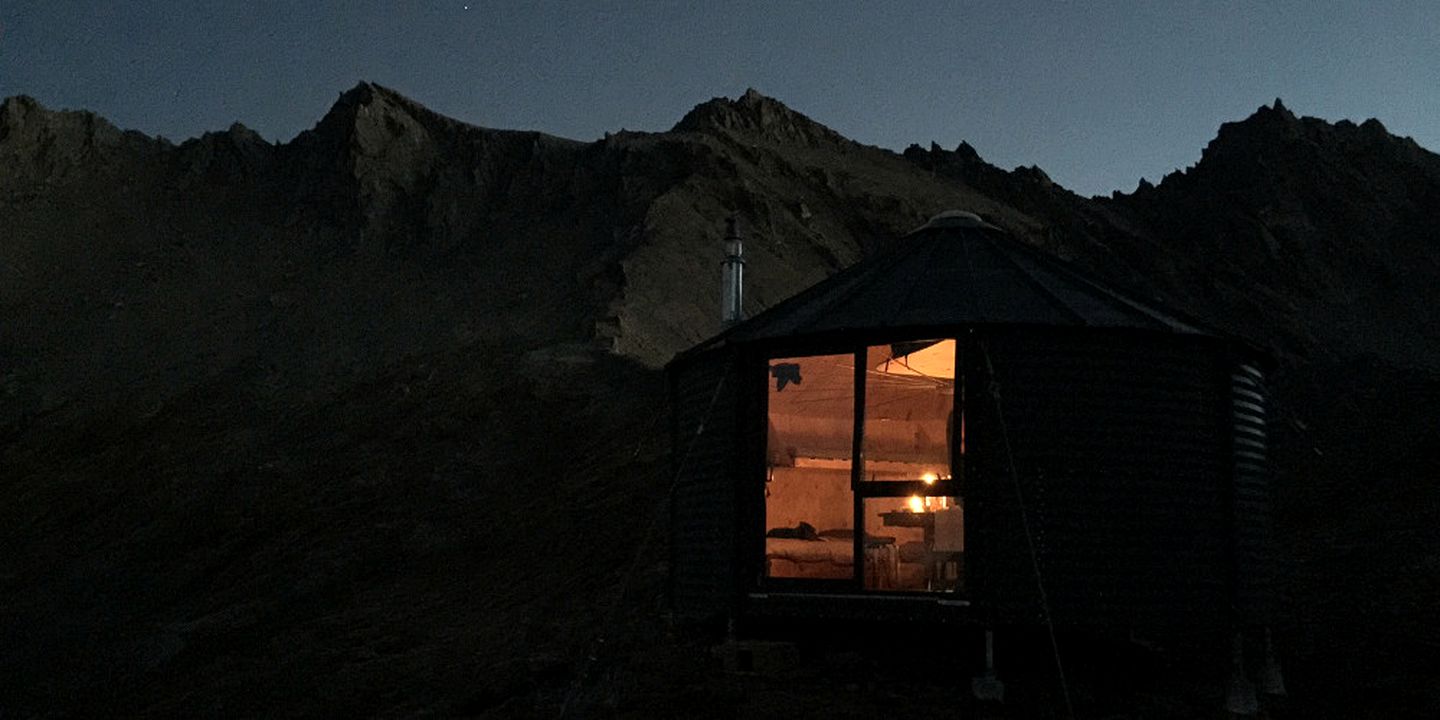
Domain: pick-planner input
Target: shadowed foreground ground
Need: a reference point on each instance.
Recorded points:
(455, 540)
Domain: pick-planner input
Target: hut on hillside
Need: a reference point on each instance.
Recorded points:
(962, 428)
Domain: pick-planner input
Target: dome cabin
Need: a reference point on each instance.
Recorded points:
(964, 429)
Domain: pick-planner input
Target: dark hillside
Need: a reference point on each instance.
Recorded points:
(372, 552)
(371, 422)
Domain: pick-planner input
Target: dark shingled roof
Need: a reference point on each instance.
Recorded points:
(955, 270)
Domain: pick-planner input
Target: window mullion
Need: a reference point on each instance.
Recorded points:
(857, 468)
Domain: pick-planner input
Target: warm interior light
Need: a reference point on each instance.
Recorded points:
(933, 361)
(916, 504)
(929, 478)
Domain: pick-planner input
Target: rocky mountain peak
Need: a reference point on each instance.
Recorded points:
(966, 152)
(37, 143)
(1274, 142)
(1267, 122)
(1246, 152)
(363, 105)
(22, 116)
(236, 155)
(370, 131)
(757, 116)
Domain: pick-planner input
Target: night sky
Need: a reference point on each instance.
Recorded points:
(1097, 93)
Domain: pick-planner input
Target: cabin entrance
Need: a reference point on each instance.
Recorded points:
(863, 453)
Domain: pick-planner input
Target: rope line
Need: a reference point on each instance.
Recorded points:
(994, 388)
(613, 611)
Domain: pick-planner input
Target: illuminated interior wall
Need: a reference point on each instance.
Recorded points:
(811, 403)
(908, 402)
(817, 496)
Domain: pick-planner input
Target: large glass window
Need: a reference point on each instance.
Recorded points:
(809, 506)
(909, 403)
(913, 431)
(908, 525)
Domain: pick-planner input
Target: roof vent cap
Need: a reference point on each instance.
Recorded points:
(955, 219)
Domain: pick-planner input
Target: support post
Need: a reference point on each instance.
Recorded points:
(987, 686)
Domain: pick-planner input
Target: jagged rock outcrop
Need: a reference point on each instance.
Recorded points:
(38, 145)
(754, 117)
(237, 155)
(1329, 228)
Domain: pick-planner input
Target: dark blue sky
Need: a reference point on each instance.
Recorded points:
(1096, 93)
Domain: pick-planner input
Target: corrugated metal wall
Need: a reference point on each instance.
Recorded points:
(1249, 398)
(1121, 444)
(704, 393)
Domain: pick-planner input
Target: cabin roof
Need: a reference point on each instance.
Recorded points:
(956, 270)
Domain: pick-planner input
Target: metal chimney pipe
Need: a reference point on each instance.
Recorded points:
(732, 287)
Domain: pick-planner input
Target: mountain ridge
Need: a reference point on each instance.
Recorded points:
(381, 176)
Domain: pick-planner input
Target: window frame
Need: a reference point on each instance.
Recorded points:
(862, 489)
